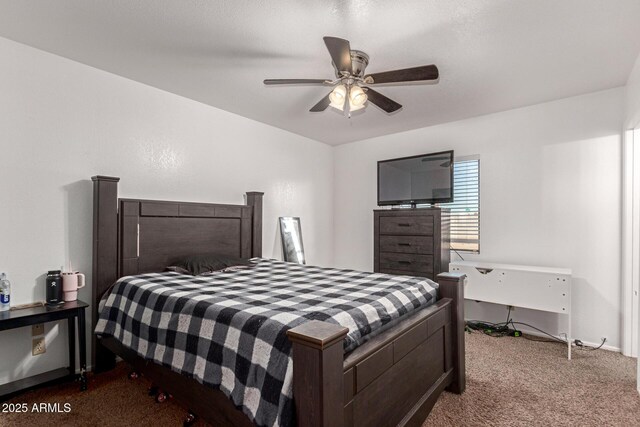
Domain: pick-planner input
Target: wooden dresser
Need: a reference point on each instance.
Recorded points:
(411, 242)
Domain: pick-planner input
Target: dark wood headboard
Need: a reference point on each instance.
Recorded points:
(135, 236)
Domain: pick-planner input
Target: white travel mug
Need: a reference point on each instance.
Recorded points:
(71, 282)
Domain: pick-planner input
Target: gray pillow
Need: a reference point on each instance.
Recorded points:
(202, 264)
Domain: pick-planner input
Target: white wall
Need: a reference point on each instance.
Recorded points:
(631, 207)
(550, 195)
(62, 122)
(632, 97)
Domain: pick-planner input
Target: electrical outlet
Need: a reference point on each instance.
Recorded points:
(37, 330)
(38, 346)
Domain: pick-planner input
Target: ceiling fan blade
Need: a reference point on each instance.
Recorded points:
(296, 81)
(415, 74)
(340, 52)
(322, 104)
(382, 101)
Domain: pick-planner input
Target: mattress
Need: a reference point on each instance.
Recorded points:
(228, 329)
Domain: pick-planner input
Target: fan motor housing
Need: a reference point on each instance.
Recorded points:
(359, 62)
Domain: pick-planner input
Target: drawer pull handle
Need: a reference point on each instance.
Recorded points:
(404, 262)
(404, 244)
(404, 224)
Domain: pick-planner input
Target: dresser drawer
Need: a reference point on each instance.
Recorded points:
(407, 244)
(412, 225)
(406, 262)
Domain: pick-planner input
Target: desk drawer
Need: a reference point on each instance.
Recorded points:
(412, 225)
(406, 262)
(407, 244)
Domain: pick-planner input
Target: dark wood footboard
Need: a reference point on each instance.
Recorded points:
(394, 379)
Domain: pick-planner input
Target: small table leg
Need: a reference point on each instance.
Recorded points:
(569, 334)
(72, 345)
(82, 341)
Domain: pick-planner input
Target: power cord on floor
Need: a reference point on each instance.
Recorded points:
(503, 329)
(581, 346)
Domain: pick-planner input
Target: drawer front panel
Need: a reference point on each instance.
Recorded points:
(406, 262)
(349, 378)
(411, 225)
(373, 366)
(409, 340)
(407, 244)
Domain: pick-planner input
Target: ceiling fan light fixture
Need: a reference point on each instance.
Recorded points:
(337, 106)
(357, 97)
(353, 107)
(338, 95)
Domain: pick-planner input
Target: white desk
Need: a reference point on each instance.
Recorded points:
(538, 288)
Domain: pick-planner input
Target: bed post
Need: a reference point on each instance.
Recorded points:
(254, 199)
(452, 286)
(105, 258)
(318, 374)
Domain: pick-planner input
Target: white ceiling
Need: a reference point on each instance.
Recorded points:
(493, 55)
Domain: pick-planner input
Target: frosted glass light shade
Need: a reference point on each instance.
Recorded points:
(338, 95)
(337, 106)
(357, 97)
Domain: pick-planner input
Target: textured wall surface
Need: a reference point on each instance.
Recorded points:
(550, 195)
(63, 122)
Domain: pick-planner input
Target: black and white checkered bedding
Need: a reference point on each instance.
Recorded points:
(228, 330)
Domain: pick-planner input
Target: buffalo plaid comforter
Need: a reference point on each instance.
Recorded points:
(228, 329)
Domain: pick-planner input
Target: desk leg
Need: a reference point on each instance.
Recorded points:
(72, 345)
(569, 336)
(82, 341)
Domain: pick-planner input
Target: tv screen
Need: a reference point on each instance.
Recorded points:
(427, 178)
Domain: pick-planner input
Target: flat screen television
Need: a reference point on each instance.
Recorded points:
(427, 178)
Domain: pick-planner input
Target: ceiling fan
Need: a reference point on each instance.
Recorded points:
(351, 86)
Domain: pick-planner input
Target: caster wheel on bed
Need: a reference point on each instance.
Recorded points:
(133, 375)
(189, 420)
(163, 397)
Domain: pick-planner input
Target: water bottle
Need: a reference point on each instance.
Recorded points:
(53, 283)
(5, 293)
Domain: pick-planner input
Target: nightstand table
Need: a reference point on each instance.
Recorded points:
(31, 316)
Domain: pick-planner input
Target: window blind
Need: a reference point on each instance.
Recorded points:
(465, 208)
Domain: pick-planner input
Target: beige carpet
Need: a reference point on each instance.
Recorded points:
(517, 382)
(510, 382)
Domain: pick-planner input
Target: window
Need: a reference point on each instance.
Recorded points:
(465, 208)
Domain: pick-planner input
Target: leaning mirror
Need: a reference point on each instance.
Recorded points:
(291, 234)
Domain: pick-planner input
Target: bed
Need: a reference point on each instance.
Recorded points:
(392, 378)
